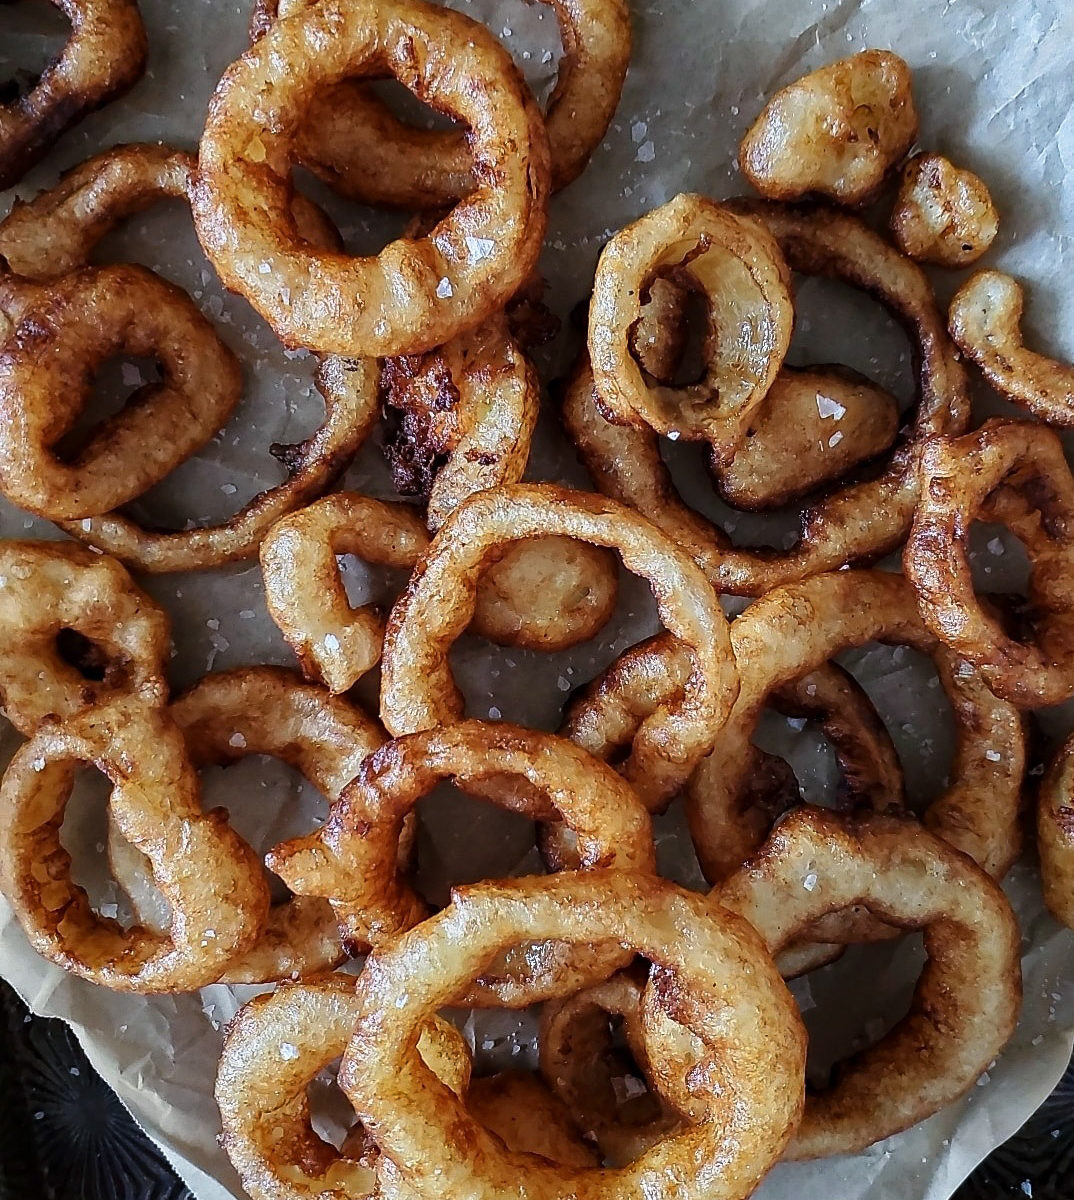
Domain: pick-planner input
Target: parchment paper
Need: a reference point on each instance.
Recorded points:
(995, 90)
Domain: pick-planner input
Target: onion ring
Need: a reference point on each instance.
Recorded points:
(75, 632)
(104, 56)
(736, 263)
(206, 872)
(985, 321)
(731, 996)
(836, 131)
(274, 1048)
(1014, 473)
(267, 710)
(353, 142)
(418, 691)
(353, 859)
(942, 214)
(1055, 835)
(60, 334)
(862, 521)
(417, 293)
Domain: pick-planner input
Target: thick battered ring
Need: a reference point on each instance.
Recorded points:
(229, 715)
(59, 335)
(75, 632)
(353, 859)
(730, 995)
(419, 692)
(1016, 474)
(862, 521)
(206, 872)
(352, 141)
(104, 56)
(737, 265)
(1055, 834)
(418, 292)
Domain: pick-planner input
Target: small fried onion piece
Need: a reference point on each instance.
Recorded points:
(418, 690)
(353, 859)
(967, 998)
(275, 1047)
(731, 997)
(206, 872)
(352, 141)
(943, 214)
(104, 56)
(59, 335)
(985, 321)
(1012, 473)
(863, 520)
(737, 265)
(1055, 834)
(793, 630)
(836, 131)
(75, 632)
(230, 715)
(418, 292)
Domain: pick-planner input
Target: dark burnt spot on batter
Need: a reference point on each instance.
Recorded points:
(419, 400)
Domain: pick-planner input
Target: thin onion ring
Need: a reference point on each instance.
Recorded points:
(1055, 834)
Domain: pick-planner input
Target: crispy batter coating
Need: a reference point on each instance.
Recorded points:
(104, 56)
(835, 132)
(1055, 834)
(529, 1118)
(943, 214)
(418, 292)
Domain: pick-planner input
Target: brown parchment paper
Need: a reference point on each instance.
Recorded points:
(995, 89)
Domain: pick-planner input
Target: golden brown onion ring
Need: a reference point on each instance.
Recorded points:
(985, 321)
(59, 335)
(1055, 834)
(353, 859)
(1012, 473)
(730, 996)
(104, 56)
(206, 872)
(352, 141)
(418, 292)
(943, 214)
(75, 632)
(418, 690)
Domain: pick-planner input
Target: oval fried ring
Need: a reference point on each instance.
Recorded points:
(75, 632)
(1013, 473)
(206, 872)
(1055, 834)
(966, 1001)
(275, 1047)
(104, 56)
(731, 997)
(864, 520)
(353, 141)
(353, 858)
(737, 265)
(418, 292)
(267, 710)
(59, 336)
(418, 690)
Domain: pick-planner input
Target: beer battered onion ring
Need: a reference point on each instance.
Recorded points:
(418, 292)
(737, 265)
(792, 631)
(75, 632)
(966, 1001)
(230, 715)
(419, 692)
(59, 336)
(274, 1048)
(352, 860)
(731, 997)
(104, 56)
(1055, 834)
(1012, 473)
(862, 521)
(353, 142)
(206, 872)
(985, 321)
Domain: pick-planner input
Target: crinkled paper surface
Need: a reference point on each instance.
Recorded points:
(996, 93)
